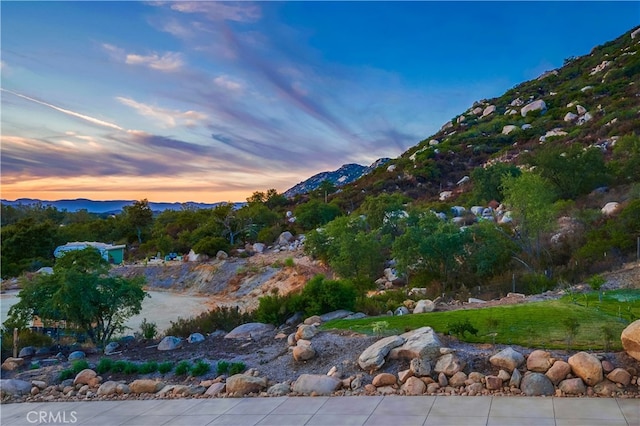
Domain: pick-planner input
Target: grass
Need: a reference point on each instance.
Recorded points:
(535, 325)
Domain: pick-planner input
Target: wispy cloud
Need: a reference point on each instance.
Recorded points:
(84, 117)
(166, 117)
(165, 62)
(221, 11)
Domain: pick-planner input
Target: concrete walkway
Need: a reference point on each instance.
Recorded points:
(336, 411)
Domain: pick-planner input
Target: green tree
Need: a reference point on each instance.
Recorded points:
(626, 158)
(315, 213)
(487, 182)
(138, 217)
(530, 198)
(81, 293)
(27, 245)
(380, 209)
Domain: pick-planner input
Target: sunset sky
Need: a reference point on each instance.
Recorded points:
(210, 101)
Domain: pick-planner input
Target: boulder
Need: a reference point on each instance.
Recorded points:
(27, 351)
(573, 386)
(538, 105)
(373, 357)
(243, 384)
(424, 306)
(76, 355)
(493, 382)
(279, 389)
(384, 379)
(108, 388)
(570, 117)
(587, 367)
(285, 238)
(339, 314)
(631, 339)
(317, 384)
(508, 358)
(303, 351)
(581, 110)
(536, 384)
(516, 379)
(111, 348)
(145, 386)
(222, 255)
(169, 343)
(250, 330)
(539, 361)
(215, 389)
(123, 389)
(449, 364)
(420, 367)
(85, 377)
(606, 388)
(458, 379)
(11, 364)
(402, 310)
(508, 129)
(420, 343)
(558, 371)
(195, 338)
(258, 247)
(488, 111)
(414, 386)
(14, 387)
(620, 375)
(306, 332)
(610, 208)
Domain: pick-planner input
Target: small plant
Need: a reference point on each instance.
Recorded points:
(148, 367)
(149, 330)
(236, 368)
(289, 263)
(492, 325)
(222, 367)
(596, 282)
(118, 366)
(165, 367)
(66, 374)
(182, 368)
(608, 335)
(78, 366)
(131, 368)
(104, 365)
(379, 327)
(200, 368)
(571, 326)
(459, 328)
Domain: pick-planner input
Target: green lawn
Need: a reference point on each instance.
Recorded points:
(537, 325)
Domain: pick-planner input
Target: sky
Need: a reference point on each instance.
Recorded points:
(211, 101)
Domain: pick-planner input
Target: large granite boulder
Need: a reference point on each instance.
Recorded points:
(424, 306)
(145, 386)
(169, 343)
(587, 367)
(538, 105)
(508, 358)
(374, 356)
(420, 343)
(317, 384)
(449, 364)
(243, 384)
(14, 387)
(250, 330)
(631, 339)
(539, 361)
(536, 384)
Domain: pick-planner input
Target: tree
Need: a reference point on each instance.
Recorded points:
(139, 217)
(315, 213)
(27, 245)
(80, 292)
(530, 198)
(487, 182)
(381, 208)
(626, 158)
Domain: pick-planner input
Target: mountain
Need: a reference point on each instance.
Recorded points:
(343, 176)
(106, 207)
(591, 101)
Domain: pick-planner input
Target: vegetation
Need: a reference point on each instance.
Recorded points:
(220, 318)
(540, 324)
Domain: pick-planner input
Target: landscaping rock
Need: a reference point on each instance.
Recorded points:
(111, 348)
(573, 386)
(243, 384)
(384, 379)
(420, 367)
(303, 351)
(251, 330)
(587, 367)
(620, 375)
(306, 332)
(14, 387)
(449, 364)
(76, 355)
(195, 338)
(558, 372)
(493, 382)
(508, 358)
(279, 389)
(145, 386)
(516, 379)
(123, 389)
(536, 384)
(631, 338)
(374, 356)
(12, 364)
(458, 379)
(169, 343)
(27, 351)
(402, 310)
(420, 343)
(539, 361)
(414, 386)
(317, 384)
(108, 388)
(339, 314)
(606, 388)
(85, 377)
(424, 306)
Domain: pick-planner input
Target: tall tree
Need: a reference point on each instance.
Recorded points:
(139, 217)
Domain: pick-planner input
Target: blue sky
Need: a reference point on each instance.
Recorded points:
(211, 101)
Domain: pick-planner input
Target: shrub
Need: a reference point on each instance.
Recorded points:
(165, 367)
(200, 368)
(220, 318)
(148, 367)
(289, 263)
(320, 296)
(211, 245)
(275, 309)
(104, 365)
(459, 328)
(236, 368)
(118, 366)
(79, 365)
(183, 368)
(66, 374)
(222, 367)
(536, 283)
(149, 329)
(131, 368)
(571, 326)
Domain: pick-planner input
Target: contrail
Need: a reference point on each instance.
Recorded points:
(66, 111)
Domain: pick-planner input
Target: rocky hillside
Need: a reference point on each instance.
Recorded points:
(592, 100)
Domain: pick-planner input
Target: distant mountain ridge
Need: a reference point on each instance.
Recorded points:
(110, 206)
(344, 175)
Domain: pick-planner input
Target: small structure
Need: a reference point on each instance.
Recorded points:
(110, 253)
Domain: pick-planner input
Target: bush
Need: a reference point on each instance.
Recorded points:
(200, 368)
(148, 367)
(275, 309)
(66, 374)
(222, 367)
(79, 365)
(104, 365)
(211, 245)
(26, 338)
(220, 318)
(320, 296)
(537, 283)
(182, 368)
(119, 366)
(131, 368)
(459, 328)
(149, 329)
(165, 367)
(236, 368)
